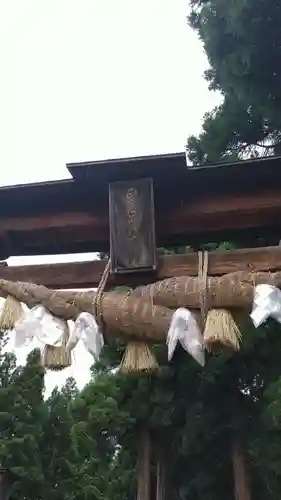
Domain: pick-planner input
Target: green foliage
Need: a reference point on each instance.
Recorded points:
(21, 417)
(242, 42)
(194, 411)
(244, 67)
(80, 445)
(56, 445)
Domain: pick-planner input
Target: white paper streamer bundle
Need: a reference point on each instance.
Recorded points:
(266, 303)
(185, 330)
(86, 330)
(40, 325)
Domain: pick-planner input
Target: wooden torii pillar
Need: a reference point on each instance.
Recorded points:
(152, 469)
(133, 249)
(240, 471)
(241, 479)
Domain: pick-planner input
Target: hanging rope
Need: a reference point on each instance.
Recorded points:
(203, 261)
(219, 325)
(97, 301)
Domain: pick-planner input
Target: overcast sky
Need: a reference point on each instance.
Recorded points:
(92, 79)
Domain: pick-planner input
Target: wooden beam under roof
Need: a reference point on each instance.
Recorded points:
(209, 219)
(88, 274)
(191, 205)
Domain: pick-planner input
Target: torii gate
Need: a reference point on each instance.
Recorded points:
(192, 206)
(176, 205)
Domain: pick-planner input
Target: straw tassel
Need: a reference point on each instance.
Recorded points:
(57, 357)
(138, 358)
(11, 313)
(221, 329)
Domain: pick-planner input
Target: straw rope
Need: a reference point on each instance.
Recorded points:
(130, 317)
(228, 291)
(203, 284)
(97, 300)
(145, 313)
(234, 290)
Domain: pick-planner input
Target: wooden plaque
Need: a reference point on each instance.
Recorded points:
(132, 226)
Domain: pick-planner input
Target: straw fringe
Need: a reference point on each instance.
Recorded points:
(57, 358)
(138, 358)
(221, 329)
(11, 313)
